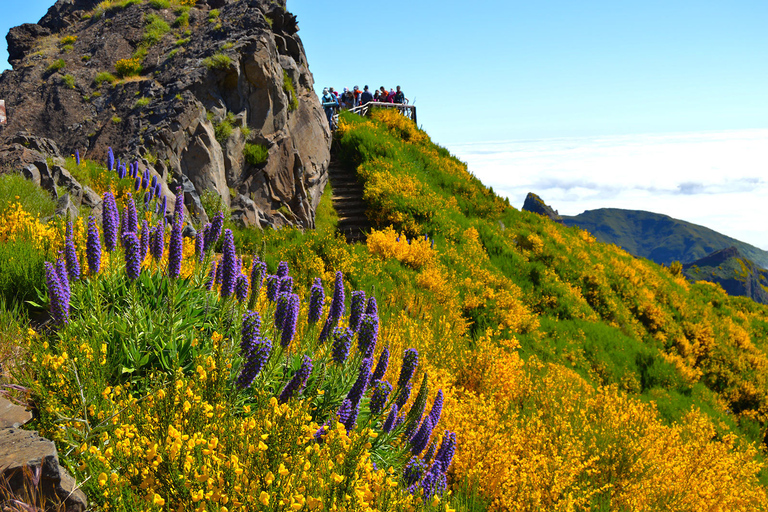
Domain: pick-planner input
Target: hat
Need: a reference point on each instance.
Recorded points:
(325, 90)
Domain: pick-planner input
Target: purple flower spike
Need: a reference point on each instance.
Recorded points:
(421, 438)
(356, 308)
(110, 159)
(61, 271)
(372, 308)
(211, 277)
(349, 424)
(93, 247)
(145, 179)
(389, 423)
(158, 247)
(381, 366)
(77, 157)
(56, 294)
(379, 398)
(255, 362)
(110, 220)
(147, 199)
(144, 240)
(228, 273)
(250, 331)
(282, 269)
(164, 207)
(73, 265)
(297, 382)
(345, 410)
(368, 335)
(131, 219)
(121, 172)
(156, 189)
(154, 181)
(404, 395)
(445, 453)
(337, 305)
(342, 339)
(175, 251)
(286, 284)
(273, 287)
(316, 300)
(437, 408)
(136, 184)
(410, 362)
(132, 262)
(290, 320)
(215, 231)
(241, 288)
(361, 384)
(199, 252)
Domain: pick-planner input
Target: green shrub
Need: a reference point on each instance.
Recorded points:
(56, 66)
(155, 30)
(217, 61)
(182, 42)
(290, 90)
(212, 203)
(116, 119)
(141, 102)
(15, 189)
(183, 17)
(213, 16)
(69, 81)
(21, 270)
(160, 4)
(224, 129)
(128, 67)
(104, 76)
(255, 154)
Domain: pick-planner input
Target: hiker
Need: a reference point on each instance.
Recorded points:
(376, 96)
(357, 92)
(365, 96)
(382, 94)
(329, 104)
(399, 96)
(391, 96)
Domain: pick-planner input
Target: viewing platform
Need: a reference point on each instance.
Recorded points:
(406, 110)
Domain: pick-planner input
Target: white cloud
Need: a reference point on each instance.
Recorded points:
(716, 179)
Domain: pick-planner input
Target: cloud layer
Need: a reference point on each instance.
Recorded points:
(716, 179)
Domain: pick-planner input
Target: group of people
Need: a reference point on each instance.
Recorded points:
(332, 100)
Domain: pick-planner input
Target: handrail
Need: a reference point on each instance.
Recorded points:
(408, 111)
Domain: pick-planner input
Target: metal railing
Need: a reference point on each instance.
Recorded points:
(404, 109)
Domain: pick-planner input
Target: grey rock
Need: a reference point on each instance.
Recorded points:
(63, 178)
(28, 460)
(535, 204)
(12, 415)
(66, 208)
(90, 197)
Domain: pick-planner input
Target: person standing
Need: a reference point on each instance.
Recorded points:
(329, 104)
(366, 96)
(399, 96)
(391, 96)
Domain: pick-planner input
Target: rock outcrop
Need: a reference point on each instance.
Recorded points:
(535, 204)
(217, 97)
(735, 273)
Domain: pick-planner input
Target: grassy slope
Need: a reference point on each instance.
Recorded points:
(657, 237)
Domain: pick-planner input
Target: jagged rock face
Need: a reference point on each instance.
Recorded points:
(533, 203)
(167, 116)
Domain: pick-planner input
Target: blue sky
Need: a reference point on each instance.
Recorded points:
(568, 92)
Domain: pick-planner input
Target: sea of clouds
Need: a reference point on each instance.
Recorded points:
(715, 179)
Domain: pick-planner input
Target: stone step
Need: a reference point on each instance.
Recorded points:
(351, 212)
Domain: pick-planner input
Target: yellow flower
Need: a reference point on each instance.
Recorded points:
(264, 498)
(102, 479)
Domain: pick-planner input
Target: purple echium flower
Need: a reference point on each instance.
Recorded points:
(430, 451)
(175, 251)
(73, 265)
(250, 331)
(255, 361)
(345, 410)
(132, 261)
(55, 294)
(156, 190)
(273, 287)
(389, 423)
(328, 327)
(110, 159)
(434, 482)
(361, 384)
(297, 382)
(379, 398)
(258, 271)
(356, 309)
(289, 323)
(316, 300)
(404, 395)
(77, 157)
(61, 272)
(349, 424)
(121, 171)
(154, 181)
(447, 448)
(421, 438)
(164, 207)
(137, 183)
(158, 247)
(282, 269)
(147, 199)
(214, 233)
(413, 471)
(381, 366)
(437, 408)
(337, 304)
(228, 274)
(342, 339)
(123, 223)
(410, 362)
(93, 247)
(145, 179)
(280, 310)
(367, 336)
(241, 288)
(372, 308)
(144, 240)
(199, 252)
(110, 219)
(211, 277)
(130, 216)
(286, 284)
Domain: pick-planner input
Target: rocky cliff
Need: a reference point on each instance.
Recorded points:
(211, 95)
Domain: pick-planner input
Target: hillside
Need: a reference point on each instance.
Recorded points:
(566, 373)
(658, 237)
(731, 270)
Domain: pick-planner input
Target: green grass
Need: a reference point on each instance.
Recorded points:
(326, 218)
(21, 270)
(55, 66)
(69, 81)
(156, 27)
(217, 61)
(160, 4)
(224, 129)
(255, 154)
(141, 102)
(290, 90)
(104, 76)
(15, 189)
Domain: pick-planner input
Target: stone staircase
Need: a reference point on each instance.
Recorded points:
(348, 202)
